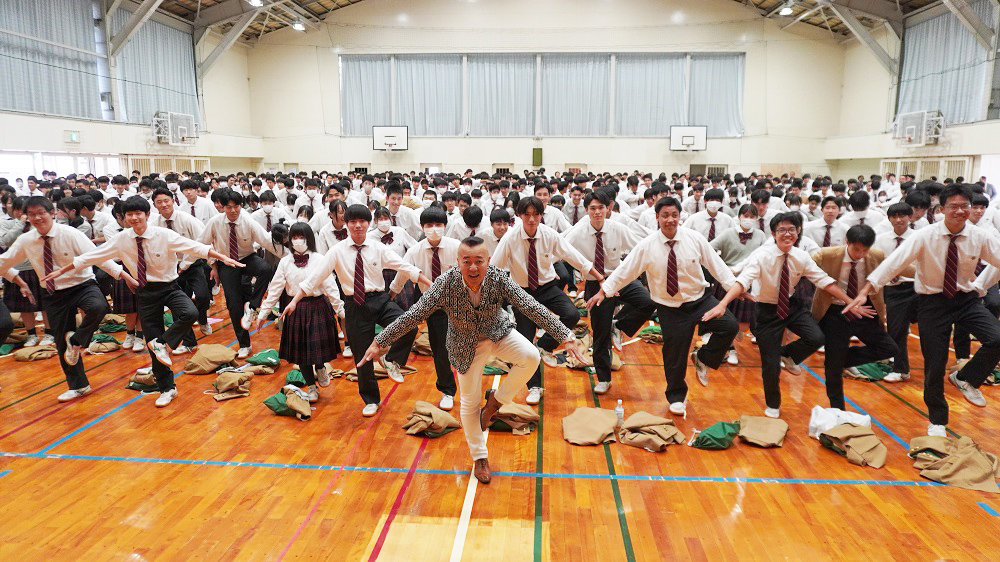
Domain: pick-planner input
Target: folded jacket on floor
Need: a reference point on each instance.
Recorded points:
(858, 443)
(518, 419)
(35, 353)
(231, 385)
(208, 358)
(762, 431)
(646, 431)
(142, 382)
(429, 420)
(955, 462)
(590, 426)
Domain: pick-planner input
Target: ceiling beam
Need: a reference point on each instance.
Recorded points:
(803, 16)
(882, 10)
(131, 27)
(971, 20)
(230, 38)
(225, 11)
(861, 32)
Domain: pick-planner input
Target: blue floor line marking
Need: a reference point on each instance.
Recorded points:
(106, 415)
(983, 505)
(4, 473)
(445, 472)
(854, 405)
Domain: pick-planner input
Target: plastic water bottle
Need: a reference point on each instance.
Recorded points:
(620, 412)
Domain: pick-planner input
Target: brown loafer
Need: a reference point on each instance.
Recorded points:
(489, 411)
(481, 470)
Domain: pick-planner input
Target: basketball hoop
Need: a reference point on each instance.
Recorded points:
(389, 146)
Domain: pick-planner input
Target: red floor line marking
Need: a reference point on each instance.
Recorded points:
(398, 502)
(326, 492)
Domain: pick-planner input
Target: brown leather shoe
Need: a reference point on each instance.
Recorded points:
(481, 470)
(489, 411)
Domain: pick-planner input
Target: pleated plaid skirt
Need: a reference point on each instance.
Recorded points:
(743, 310)
(15, 301)
(309, 335)
(123, 301)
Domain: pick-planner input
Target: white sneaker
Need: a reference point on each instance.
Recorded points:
(731, 357)
(970, 392)
(49, 340)
(249, 316)
(392, 368)
(822, 349)
(678, 408)
(893, 377)
(602, 387)
(181, 350)
(369, 410)
(548, 358)
(322, 377)
(936, 430)
(138, 344)
(205, 328)
(705, 338)
(215, 290)
(74, 394)
(72, 353)
(534, 395)
(616, 338)
(700, 368)
(312, 395)
(447, 402)
(129, 341)
(144, 371)
(243, 353)
(160, 351)
(855, 373)
(572, 294)
(347, 352)
(753, 340)
(32, 341)
(166, 397)
(790, 366)
(772, 412)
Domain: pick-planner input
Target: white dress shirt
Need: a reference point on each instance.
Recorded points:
(651, 255)
(871, 218)
(886, 242)
(161, 248)
(458, 230)
(409, 220)
(845, 274)
(555, 219)
(631, 224)
(580, 210)
(489, 239)
(66, 243)
(767, 221)
(288, 278)
(816, 231)
(248, 232)
(276, 216)
(927, 248)
(512, 254)
(376, 256)
(97, 224)
(202, 208)
(692, 206)
(327, 237)
(765, 264)
(181, 223)
(702, 222)
(401, 241)
(422, 256)
(617, 239)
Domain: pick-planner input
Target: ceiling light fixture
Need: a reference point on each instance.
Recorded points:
(787, 9)
(298, 26)
(256, 3)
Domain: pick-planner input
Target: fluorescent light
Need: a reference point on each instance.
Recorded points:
(298, 26)
(256, 3)
(787, 9)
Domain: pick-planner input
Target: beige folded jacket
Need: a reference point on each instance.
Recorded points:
(590, 426)
(646, 431)
(762, 431)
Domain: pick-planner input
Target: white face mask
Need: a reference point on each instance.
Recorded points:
(303, 220)
(794, 207)
(173, 186)
(384, 226)
(733, 199)
(510, 211)
(497, 197)
(267, 208)
(426, 203)
(223, 184)
(881, 199)
(747, 223)
(713, 206)
(133, 186)
(368, 187)
(299, 245)
(433, 233)
(310, 193)
(146, 195)
(938, 217)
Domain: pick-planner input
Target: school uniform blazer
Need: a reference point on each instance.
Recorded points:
(830, 260)
(468, 325)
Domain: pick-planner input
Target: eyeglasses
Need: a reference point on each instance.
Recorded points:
(791, 230)
(961, 207)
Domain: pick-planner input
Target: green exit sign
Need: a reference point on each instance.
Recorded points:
(71, 136)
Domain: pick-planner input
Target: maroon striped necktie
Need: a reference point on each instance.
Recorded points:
(359, 277)
(141, 261)
(393, 219)
(761, 222)
(234, 245)
(826, 237)
(951, 268)
(532, 265)
(599, 252)
(435, 263)
(711, 230)
(91, 221)
(852, 281)
(170, 224)
(50, 285)
(268, 227)
(783, 290)
(576, 214)
(673, 284)
(899, 241)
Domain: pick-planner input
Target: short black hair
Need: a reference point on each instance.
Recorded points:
(714, 194)
(954, 190)
(304, 230)
(898, 209)
(136, 203)
(472, 242)
(227, 196)
(792, 217)
(161, 191)
(600, 196)
(861, 234)
(530, 203)
(39, 201)
(434, 215)
(667, 201)
(748, 209)
(497, 215)
(358, 212)
(830, 199)
(473, 216)
(859, 200)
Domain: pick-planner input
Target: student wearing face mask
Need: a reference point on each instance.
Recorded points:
(710, 221)
(311, 198)
(268, 214)
(309, 333)
(399, 241)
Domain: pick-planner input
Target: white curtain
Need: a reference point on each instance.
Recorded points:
(715, 98)
(364, 93)
(156, 71)
(44, 78)
(649, 94)
(429, 94)
(945, 68)
(575, 95)
(501, 95)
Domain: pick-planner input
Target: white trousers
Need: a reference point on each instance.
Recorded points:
(514, 349)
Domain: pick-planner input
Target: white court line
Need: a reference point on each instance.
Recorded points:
(470, 498)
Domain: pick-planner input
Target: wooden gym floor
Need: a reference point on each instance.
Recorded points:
(111, 477)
